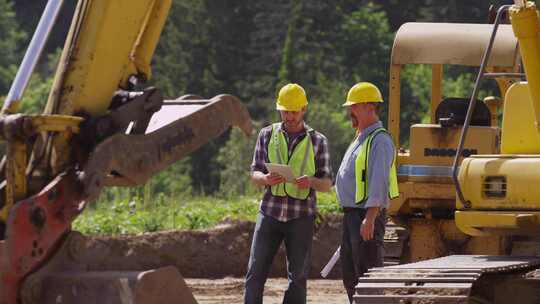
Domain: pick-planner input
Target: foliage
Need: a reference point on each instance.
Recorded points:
(249, 49)
(400, 12)
(37, 92)
(173, 182)
(235, 158)
(198, 54)
(36, 95)
(367, 44)
(326, 115)
(132, 216)
(10, 45)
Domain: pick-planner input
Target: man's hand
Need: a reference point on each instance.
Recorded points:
(303, 182)
(368, 224)
(366, 229)
(266, 179)
(272, 179)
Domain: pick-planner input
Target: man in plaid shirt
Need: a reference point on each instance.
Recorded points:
(287, 210)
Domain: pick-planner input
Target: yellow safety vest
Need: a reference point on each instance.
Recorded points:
(302, 161)
(361, 167)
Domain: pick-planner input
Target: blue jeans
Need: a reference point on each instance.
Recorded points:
(267, 237)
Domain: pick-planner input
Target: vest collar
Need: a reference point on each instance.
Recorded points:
(307, 128)
(372, 127)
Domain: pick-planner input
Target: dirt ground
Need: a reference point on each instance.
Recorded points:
(213, 261)
(213, 254)
(230, 291)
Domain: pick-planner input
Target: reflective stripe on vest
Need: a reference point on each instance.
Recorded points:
(302, 161)
(362, 165)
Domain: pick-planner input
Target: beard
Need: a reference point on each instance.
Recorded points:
(292, 124)
(354, 121)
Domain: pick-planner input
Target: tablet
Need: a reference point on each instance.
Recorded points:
(283, 170)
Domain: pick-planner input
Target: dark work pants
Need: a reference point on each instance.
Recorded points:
(267, 237)
(357, 255)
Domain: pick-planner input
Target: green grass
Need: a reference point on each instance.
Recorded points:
(135, 217)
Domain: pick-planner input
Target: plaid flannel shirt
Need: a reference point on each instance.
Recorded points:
(285, 208)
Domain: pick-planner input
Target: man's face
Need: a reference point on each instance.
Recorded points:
(293, 120)
(360, 113)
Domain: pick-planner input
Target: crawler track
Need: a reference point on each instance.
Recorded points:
(447, 280)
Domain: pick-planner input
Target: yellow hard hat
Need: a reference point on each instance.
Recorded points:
(291, 97)
(363, 92)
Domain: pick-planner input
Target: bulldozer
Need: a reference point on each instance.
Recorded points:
(495, 194)
(426, 203)
(101, 127)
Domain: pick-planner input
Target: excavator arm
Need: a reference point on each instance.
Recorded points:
(100, 128)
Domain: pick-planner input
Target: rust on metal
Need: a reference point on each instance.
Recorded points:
(139, 137)
(67, 278)
(34, 229)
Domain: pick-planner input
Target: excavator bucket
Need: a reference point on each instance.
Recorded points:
(68, 278)
(37, 226)
(173, 132)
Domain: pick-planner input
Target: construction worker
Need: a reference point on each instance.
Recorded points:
(287, 209)
(365, 183)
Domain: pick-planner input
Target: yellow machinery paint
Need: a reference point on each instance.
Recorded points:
(501, 182)
(427, 195)
(17, 160)
(501, 191)
(527, 28)
(100, 128)
(519, 135)
(498, 205)
(111, 46)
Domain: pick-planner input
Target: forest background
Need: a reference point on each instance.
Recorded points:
(248, 48)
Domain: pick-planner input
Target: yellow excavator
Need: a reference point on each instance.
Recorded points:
(101, 127)
(426, 203)
(496, 197)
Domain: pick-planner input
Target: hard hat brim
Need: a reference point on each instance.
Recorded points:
(350, 102)
(291, 109)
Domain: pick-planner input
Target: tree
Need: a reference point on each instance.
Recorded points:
(182, 55)
(309, 50)
(264, 56)
(29, 13)
(400, 12)
(36, 94)
(366, 45)
(10, 45)
(326, 115)
(200, 52)
(235, 159)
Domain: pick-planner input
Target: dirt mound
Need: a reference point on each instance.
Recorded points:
(215, 253)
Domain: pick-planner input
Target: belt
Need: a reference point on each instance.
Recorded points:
(352, 209)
